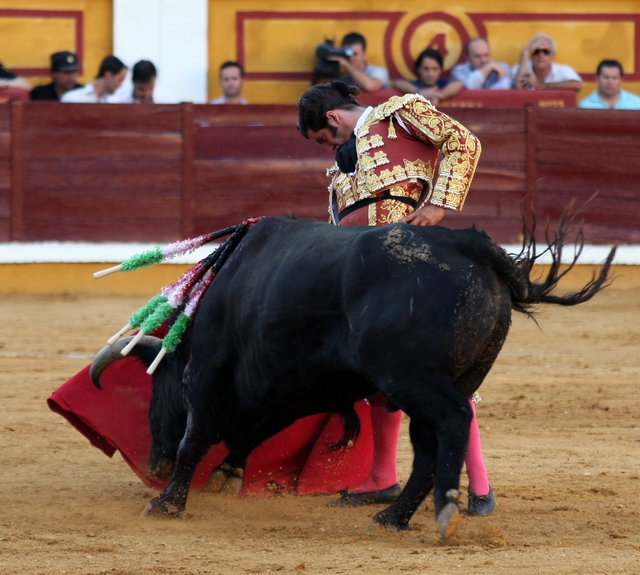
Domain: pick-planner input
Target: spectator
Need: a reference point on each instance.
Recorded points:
(538, 71)
(111, 74)
(10, 80)
(430, 84)
(609, 95)
(64, 72)
(358, 71)
(231, 82)
(480, 72)
(144, 89)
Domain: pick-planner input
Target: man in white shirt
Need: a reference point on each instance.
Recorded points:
(480, 71)
(144, 91)
(231, 82)
(111, 74)
(538, 71)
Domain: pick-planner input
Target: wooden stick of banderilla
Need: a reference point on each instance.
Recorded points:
(108, 271)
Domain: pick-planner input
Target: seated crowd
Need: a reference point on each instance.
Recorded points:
(536, 70)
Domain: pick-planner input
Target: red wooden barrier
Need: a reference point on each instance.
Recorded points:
(489, 98)
(5, 173)
(576, 153)
(160, 173)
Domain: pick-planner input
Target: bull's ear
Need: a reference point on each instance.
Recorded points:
(146, 349)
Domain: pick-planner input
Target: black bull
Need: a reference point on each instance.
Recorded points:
(307, 318)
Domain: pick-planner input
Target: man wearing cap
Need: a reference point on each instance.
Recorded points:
(64, 72)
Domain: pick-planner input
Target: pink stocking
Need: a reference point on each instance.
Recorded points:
(476, 471)
(386, 432)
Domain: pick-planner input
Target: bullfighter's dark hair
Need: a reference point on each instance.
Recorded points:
(110, 64)
(320, 99)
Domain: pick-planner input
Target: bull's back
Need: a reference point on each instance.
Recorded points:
(426, 296)
(293, 287)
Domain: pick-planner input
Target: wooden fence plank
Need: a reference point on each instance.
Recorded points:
(17, 211)
(92, 118)
(188, 203)
(5, 118)
(71, 145)
(102, 227)
(256, 115)
(81, 203)
(128, 174)
(5, 173)
(255, 142)
(5, 145)
(580, 152)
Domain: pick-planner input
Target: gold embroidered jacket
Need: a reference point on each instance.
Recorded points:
(399, 142)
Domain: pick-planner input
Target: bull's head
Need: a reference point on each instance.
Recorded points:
(167, 415)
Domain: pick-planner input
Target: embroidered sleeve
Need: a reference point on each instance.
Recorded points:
(460, 148)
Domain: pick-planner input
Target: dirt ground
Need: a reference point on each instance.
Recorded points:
(561, 435)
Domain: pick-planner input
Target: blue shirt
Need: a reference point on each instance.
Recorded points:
(441, 83)
(474, 80)
(627, 101)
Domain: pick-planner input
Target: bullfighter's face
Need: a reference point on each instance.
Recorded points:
(340, 128)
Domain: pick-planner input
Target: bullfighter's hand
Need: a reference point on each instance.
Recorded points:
(428, 216)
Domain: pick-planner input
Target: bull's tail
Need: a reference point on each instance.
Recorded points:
(351, 429)
(540, 292)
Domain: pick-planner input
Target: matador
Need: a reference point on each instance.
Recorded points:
(402, 161)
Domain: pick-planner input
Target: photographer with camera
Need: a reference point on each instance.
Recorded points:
(358, 72)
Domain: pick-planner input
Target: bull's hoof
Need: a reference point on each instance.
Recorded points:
(216, 480)
(162, 470)
(390, 522)
(232, 486)
(225, 480)
(481, 505)
(449, 517)
(159, 508)
(380, 497)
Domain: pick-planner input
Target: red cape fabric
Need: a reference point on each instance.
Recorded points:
(296, 460)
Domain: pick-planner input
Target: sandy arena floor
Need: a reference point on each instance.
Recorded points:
(561, 435)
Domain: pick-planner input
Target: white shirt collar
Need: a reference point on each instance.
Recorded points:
(362, 119)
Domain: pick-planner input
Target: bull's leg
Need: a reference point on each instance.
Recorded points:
(439, 434)
(227, 478)
(453, 439)
(172, 501)
(420, 482)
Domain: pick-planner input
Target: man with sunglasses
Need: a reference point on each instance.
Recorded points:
(538, 71)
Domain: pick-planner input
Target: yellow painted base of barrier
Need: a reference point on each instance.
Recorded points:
(57, 278)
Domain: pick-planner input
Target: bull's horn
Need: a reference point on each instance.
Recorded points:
(112, 353)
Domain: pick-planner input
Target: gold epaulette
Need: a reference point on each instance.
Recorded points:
(388, 109)
(333, 170)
